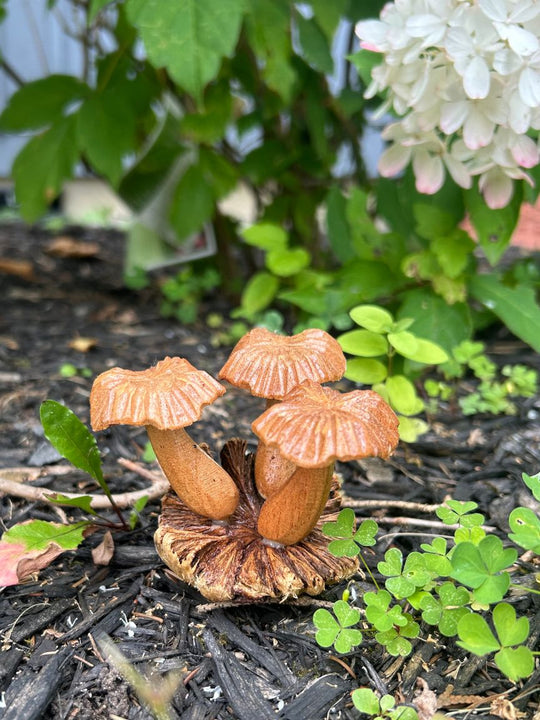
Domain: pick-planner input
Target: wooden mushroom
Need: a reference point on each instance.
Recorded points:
(312, 427)
(166, 398)
(270, 366)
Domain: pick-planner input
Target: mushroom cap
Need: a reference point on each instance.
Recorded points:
(169, 395)
(315, 425)
(271, 365)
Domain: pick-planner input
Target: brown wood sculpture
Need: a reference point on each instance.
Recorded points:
(250, 529)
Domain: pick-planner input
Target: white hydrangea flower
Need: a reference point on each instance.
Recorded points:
(463, 77)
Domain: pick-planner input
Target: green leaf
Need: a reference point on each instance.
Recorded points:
(365, 535)
(417, 349)
(266, 236)
(42, 166)
(475, 635)
(365, 701)
(42, 102)
(327, 627)
(346, 615)
(404, 342)
(410, 428)
(328, 14)
(433, 221)
(337, 227)
(516, 307)
(494, 228)
(188, 37)
(343, 526)
(372, 317)
(314, 45)
(83, 502)
(525, 526)
(515, 663)
(71, 438)
(402, 395)
(258, 294)
(193, 202)
(453, 252)
(392, 563)
(511, 630)
(96, 6)
(533, 483)
(479, 567)
(366, 371)
(286, 263)
(106, 132)
(364, 62)
(364, 343)
(38, 534)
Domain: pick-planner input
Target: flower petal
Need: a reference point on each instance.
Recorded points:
(393, 160)
(477, 130)
(428, 171)
(529, 87)
(496, 188)
(476, 79)
(453, 115)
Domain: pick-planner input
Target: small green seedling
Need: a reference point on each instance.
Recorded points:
(336, 629)
(483, 568)
(476, 636)
(350, 538)
(383, 708)
(403, 579)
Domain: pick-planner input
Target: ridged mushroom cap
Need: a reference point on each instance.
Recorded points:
(271, 365)
(314, 425)
(169, 395)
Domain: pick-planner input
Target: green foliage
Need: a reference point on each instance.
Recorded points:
(183, 293)
(350, 538)
(335, 629)
(383, 708)
(442, 586)
(38, 534)
(381, 345)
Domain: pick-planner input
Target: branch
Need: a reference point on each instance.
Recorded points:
(158, 487)
(401, 504)
(11, 73)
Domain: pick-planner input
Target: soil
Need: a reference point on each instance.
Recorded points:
(213, 661)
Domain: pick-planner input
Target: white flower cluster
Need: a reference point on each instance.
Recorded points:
(464, 78)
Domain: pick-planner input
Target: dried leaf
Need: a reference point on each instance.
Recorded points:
(426, 701)
(503, 708)
(17, 563)
(20, 268)
(83, 344)
(67, 247)
(102, 554)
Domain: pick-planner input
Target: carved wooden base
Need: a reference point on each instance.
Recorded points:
(232, 562)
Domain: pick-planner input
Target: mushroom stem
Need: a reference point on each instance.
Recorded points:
(271, 470)
(291, 513)
(199, 481)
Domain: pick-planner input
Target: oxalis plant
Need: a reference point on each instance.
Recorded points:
(457, 586)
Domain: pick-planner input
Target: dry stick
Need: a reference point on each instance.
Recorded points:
(159, 486)
(401, 504)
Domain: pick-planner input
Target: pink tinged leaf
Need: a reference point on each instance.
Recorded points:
(478, 130)
(476, 79)
(17, 563)
(525, 152)
(10, 554)
(428, 171)
(496, 188)
(453, 115)
(393, 160)
(529, 87)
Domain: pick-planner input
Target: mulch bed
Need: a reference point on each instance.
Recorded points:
(245, 662)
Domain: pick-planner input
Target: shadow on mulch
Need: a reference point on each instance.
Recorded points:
(249, 662)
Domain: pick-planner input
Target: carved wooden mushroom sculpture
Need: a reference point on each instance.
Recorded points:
(166, 398)
(270, 366)
(312, 427)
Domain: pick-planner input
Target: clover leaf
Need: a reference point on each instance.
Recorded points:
(336, 629)
(481, 567)
(446, 610)
(435, 557)
(525, 526)
(477, 637)
(456, 512)
(344, 528)
(403, 582)
(533, 483)
(379, 613)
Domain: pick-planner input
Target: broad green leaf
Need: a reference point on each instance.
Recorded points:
(510, 630)
(39, 534)
(285, 263)
(364, 62)
(410, 428)
(106, 132)
(515, 663)
(476, 636)
(525, 526)
(347, 639)
(209, 125)
(328, 14)
(258, 293)
(83, 502)
(365, 535)
(479, 567)
(372, 317)
(391, 565)
(417, 349)
(312, 301)
(337, 227)
(494, 228)
(516, 307)
(193, 202)
(343, 548)
(404, 342)
(41, 102)
(434, 319)
(432, 221)
(71, 438)
(266, 236)
(453, 252)
(364, 343)
(533, 483)
(314, 44)
(42, 166)
(346, 615)
(343, 526)
(189, 38)
(366, 371)
(403, 396)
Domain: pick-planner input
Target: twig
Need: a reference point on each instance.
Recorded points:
(423, 523)
(159, 486)
(401, 504)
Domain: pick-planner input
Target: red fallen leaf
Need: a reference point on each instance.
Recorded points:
(17, 563)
